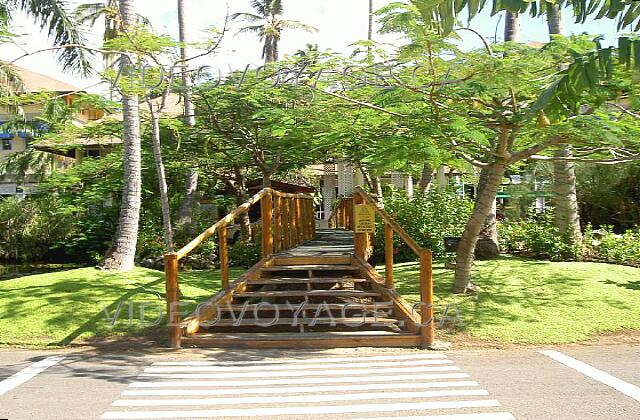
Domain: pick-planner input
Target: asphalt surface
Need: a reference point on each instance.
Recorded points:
(496, 384)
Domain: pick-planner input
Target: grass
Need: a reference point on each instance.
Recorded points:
(56, 309)
(521, 301)
(526, 301)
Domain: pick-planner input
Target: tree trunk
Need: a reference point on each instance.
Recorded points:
(567, 217)
(554, 21)
(490, 247)
(121, 256)
(484, 204)
(511, 27)
(241, 196)
(441, 178)
(426, 178)
(266, 179)
(370, 32)
(162, 180)
(185, 213)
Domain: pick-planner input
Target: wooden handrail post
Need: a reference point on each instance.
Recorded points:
(313, 218)
(427, 328)
(299, 221)
(388, 255)
(266, 208)
(287, 224)
(304, 209)
(173, 304)
(277, 226)
(360, 239)
(343, 209)
(224, 256)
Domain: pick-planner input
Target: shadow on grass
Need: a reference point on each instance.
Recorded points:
(518, 294)
(631, 285)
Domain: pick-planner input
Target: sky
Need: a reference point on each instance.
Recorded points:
(339, 22)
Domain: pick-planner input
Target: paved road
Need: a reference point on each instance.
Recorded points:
(360, 383)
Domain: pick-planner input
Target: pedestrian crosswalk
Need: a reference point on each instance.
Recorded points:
(411, 386)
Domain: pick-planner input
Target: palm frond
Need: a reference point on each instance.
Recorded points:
(257, 29)
(275, 7)
(53, 16)
(262, 6)
(89, 13)
(247, 17)
(294, 24)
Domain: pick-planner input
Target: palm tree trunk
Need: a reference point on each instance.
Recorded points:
(484, 205)
(567, 216)
(162, 180)
(185, 213)
(370, 32)
(426, 178)
(121, 256)
(512, 27)
(554, 21)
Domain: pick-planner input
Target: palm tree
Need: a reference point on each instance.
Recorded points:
(123, 250)
(565, 197)
(266, 22)
(88, 14)
(54, 19)
(185, 212)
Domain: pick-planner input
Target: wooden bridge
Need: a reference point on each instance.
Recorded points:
(310, 289)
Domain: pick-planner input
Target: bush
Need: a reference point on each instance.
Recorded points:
(606, 246)
(537, 237)
(30, 228)
(427, 218)
(245, 254)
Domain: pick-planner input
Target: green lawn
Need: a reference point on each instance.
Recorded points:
(521, 301)
(56, 309)
(526, 301)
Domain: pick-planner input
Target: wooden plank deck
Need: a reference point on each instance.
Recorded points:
(327, 243)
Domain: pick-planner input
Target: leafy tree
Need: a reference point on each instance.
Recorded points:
(444, 13)
(267, 23)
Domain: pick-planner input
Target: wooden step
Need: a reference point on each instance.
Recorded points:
(267, 322)
(303, 340)
(309, 306)
(304, 260)
(312, 267)
(297, 280)
(307, 293)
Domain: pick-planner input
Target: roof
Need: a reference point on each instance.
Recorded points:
(36, 82)
(256, 185)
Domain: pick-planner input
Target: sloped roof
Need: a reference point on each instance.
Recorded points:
(36, 82)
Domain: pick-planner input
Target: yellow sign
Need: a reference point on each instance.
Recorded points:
(365, 218)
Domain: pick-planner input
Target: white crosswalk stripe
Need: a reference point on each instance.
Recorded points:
(411, 386)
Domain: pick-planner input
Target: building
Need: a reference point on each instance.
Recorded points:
(18, 142)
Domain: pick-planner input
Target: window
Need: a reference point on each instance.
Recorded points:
(6, 144)
(94, 153)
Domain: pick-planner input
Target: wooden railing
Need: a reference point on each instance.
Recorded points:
(287, 220)
(342, 215)
(363, 248)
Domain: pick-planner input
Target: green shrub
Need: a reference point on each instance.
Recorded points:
(245, 254)
(606, 246)
(30, 228)
(537, 237)
(427, 218)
